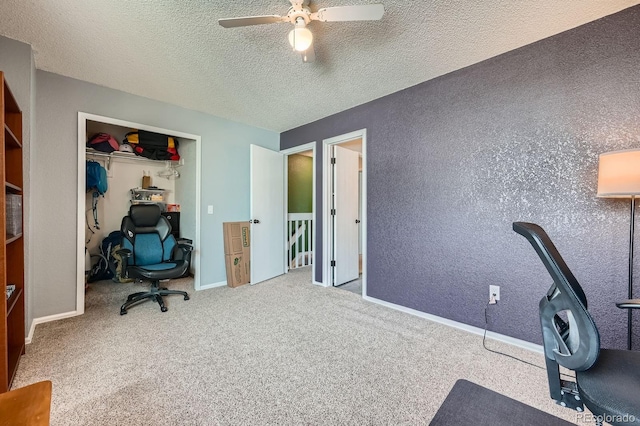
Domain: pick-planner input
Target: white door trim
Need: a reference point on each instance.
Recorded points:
(346, 202)
(326, 200)
(287, 153)
(82, 132)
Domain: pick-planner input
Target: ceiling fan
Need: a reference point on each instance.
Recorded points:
(300, 16)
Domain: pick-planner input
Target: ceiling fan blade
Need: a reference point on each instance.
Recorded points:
(299, 4)
(369, 12)
(251, 20)
(309, 55)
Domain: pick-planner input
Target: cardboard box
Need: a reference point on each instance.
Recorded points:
(232, 233)
(237, 242)
(235, 268)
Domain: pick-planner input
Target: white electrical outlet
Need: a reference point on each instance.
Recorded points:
(209, 209)
(494, 293)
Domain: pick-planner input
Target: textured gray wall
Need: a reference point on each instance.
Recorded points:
(452, 162)
(225, 177)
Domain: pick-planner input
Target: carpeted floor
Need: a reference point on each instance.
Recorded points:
(280, 352)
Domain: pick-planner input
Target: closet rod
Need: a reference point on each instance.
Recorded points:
(124, 156)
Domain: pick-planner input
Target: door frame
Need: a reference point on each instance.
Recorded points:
(82, 132)
(287, 153)
(327, 240)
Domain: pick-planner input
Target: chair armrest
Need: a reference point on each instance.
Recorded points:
(629, 304)
(183, 252)
(186, 248)
(124, 253)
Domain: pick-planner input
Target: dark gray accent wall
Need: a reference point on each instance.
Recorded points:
(452, 162)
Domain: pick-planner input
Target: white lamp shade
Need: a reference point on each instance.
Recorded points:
(619, 174)
(300, 38)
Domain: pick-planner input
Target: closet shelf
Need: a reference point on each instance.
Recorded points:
(11, 238)
(11, 187)
(152, 190)
(117, 155)
(11, 301)
(11, 141)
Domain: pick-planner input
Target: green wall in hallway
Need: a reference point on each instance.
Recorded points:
(300, 184)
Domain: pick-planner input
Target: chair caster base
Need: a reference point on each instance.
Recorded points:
(155, 293)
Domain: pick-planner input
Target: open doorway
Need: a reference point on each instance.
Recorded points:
(300, 193)
(344, 216)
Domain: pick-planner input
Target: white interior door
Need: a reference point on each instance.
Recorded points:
(267, 214)
(346, 219)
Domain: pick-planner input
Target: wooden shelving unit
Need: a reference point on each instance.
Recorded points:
(12, 246)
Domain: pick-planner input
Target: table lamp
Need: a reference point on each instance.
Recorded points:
(619, 177)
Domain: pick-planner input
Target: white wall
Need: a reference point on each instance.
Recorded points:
(185, 191)
(126, 173)
(225, 177)
(123, 175)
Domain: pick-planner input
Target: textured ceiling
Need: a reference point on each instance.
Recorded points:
(175, 51)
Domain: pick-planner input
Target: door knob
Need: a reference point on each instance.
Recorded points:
(254, 221)
(357, 220)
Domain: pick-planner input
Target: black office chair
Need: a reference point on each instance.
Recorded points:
(149, 251)
(607, 380)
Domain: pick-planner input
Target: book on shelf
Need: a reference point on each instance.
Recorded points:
(10, 289)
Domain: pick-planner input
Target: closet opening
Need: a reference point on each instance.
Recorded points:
(132, 179)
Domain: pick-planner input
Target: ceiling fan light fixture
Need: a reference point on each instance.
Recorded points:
(300, 38)
(299, 14)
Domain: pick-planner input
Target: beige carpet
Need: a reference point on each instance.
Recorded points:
(281, 352)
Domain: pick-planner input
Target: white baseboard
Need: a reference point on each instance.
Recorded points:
(319, 283)
(213, 285)
(460, 326)
(49, 318)
(64, 315)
